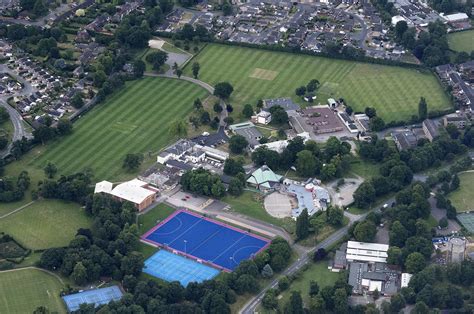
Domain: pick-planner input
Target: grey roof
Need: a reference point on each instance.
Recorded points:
(251, 134)
(405, 139)
(285, 103)
(432, 127)
(179, 164)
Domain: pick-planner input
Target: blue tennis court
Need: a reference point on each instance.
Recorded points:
(206, 240)
(96, 297)
(171, 267)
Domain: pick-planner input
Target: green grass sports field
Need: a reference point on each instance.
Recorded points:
(462, 41)
(45, 224)
(462, 197)
(22, 291)
(134, 120)
(259, 74)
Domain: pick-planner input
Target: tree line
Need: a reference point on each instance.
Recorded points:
(397, 168)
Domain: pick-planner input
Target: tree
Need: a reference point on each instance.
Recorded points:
(340, 301)
(319, 255)
(205, 118)
(398, 234)
(376, 124)
(317, 305)
(233, 166)
(313, 288)
(295, 304)
(443, 223)
(179, 72)
(267, 271)
(302, 225)
(247, 111)
(283, 283)
(300, 91)
(217, 108)
(50, 170)
(279, 115)
(453, 131)
(394, 255)
(39, 8)
(370, 112)
(223, 90)
(397, 303)
(269, 300)
(157, 59)
(455, 182)
(415, 262)
(197, 104)
(422, 109)
(312, 86)
(196, 67)
(365, 231)
(132, 161)
(226, 8)
(335, 215)
(79, 274)
(420, 308)
(306, 164)
(364, 195)
(236, 187)
(400, 28)
(139, 68)
(77, 101)
(237, 144)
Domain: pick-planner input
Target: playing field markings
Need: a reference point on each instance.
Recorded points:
(263, 74)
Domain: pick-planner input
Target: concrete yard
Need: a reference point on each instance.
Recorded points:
(278, 205)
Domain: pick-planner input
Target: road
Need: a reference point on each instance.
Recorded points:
(18, 125)
(60, 12)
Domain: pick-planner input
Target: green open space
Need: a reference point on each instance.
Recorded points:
(45, 224)
(153, 217)
(318, 272)
(364, 168)
(462, 41)
(462, 197)
(22, 291)
(259, 74)
(251, 204)
(136, 119)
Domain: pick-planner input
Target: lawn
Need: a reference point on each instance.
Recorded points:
(45, 224)
(317, 272)
(251, 204)
(136, 119)
(153, 217)
(22, 291)
(259, 74)
(364, 168)
(462, 41)
(462, 197)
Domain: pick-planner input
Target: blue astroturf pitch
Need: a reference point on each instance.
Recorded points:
(172, 267)
(96, 297)
(206, 240)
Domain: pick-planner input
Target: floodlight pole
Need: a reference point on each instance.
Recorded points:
(185, 241)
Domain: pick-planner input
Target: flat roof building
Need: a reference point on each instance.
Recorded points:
(366, 252)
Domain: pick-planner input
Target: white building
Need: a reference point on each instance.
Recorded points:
(263, 117)
(405, 280)
(135, 191)
(366, 252)
(398, 18)
(456, 17)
